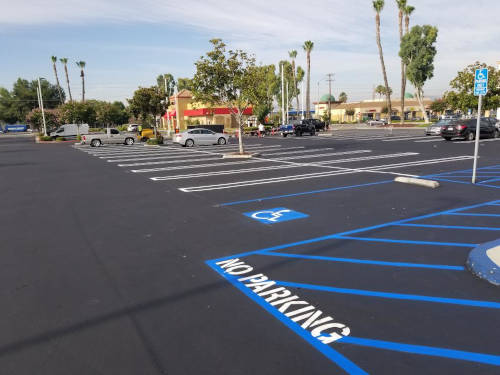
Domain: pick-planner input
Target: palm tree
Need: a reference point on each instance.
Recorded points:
(64, 60)
(81, 65)
(401, 6)
(378, 5)
(54, 60)
(343, 97)
(308, 46)
(407, 10)
(293, 55)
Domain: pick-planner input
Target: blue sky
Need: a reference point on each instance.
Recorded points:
(127, 43)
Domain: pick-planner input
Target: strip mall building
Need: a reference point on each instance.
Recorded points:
(194, 113)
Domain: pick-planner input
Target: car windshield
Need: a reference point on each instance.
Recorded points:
(442, 123)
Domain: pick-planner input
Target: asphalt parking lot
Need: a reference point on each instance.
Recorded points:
(305, 259)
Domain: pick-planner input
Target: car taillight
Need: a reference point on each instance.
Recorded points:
(461, 127)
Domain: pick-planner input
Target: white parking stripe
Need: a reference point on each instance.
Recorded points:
(323, 155)
(275, 167)
(318, 175)
(403, 139)
(431, 140)
(196, 166)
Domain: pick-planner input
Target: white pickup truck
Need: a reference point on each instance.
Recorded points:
(112, 136)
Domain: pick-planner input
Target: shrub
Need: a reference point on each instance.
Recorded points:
(79, 138)
(45, 138)
(155, 141)
(95, 130)
(60, 139)
(122, 128)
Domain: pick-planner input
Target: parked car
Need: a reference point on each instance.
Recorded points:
(200, 136)
(395, 118)
(466, 129)
(380, 122)
(318, 124)
(298, 128)
(112, 136)
(70, 130)
(435, 129)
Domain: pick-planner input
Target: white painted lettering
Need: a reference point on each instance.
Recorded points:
(304, 309)
(229, 262)
(254, 278)
(279, 302)
(270, 291)
(332, 336)
(288, 304)
(243, 268)
(258, 287)
(283, 294)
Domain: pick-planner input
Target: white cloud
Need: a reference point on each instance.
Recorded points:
(343, 32)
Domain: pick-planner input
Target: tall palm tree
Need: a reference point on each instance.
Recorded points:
(64, 60)
(308, 46)
(378, 5)
(81, 65)
(401, 6)
(293, 55)
(54, 60)
(408, 11)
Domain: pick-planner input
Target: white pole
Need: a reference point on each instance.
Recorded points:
(282, 95)
(287, 109)
(166, 105)
(302, 89)
(177, 114)
(476, 147)
(41, 106)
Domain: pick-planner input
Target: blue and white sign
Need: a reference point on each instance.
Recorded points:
(275, 215)
(481, 82)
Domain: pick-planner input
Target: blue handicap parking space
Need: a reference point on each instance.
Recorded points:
(373, 285)
(486, 176)
(275, 215)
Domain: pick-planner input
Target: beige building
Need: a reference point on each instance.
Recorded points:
(370, 109)
(194, 113)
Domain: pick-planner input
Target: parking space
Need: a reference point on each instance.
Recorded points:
(400, 288)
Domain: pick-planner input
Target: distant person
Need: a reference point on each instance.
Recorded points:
(262, 130)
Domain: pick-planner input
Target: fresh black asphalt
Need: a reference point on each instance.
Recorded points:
(105, 271)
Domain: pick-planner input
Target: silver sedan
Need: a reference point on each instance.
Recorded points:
(200, 136)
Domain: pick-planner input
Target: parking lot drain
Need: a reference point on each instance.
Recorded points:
(418, 181)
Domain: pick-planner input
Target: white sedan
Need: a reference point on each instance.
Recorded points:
(200, 136)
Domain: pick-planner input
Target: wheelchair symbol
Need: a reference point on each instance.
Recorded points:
(272, 216)
(480, 75)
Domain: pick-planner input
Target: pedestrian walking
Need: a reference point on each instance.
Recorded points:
(262, 129)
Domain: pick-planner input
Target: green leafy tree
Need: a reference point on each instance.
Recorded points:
(35, 118)
(81, 65)
(148, 103)
(266, 84)
(462, 94)
(308, 47)
(79, 113)
(381, 90)
(225, 78)
(54, 61)
(64, 61)
(185, 84)
(439, 106)
(418, 51)
(343, 97)
(166, 84)
(18, 102)
(378, 5)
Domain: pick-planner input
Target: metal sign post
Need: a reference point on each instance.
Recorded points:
(480, 89)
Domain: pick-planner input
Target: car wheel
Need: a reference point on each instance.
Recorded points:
(221, 141)
(129, 141)
(284, 135)
(447, 138)
(496, 134)
(96, 143)
(313, 132)
(470, 136)
(144, 139)
(189, 143)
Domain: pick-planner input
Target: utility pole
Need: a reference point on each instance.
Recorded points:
(177, 126)
(302, 89)
(287, 109)
(41, 107)
(282, 95)
(167, 96)
(330, 80)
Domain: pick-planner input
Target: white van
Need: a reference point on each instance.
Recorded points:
(70, 130)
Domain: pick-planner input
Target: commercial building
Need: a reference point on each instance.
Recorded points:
(196, 113)
(370, 109)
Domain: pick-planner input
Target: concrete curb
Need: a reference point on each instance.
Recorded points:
(418, 181)
(240, 156)
(484, 262)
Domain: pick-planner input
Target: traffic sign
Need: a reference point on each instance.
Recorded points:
(275, 215)
(481, 82)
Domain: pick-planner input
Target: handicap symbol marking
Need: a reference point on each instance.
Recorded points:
(275, 215)
(481, 82)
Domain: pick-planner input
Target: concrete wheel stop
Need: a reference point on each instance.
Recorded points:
(484, 262)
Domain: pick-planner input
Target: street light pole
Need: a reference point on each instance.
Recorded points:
(282, 95)
(478, 134)
(41, 107)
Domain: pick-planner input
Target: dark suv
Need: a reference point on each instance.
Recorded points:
(466, 129)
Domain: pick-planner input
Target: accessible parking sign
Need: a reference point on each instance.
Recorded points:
(275, 215)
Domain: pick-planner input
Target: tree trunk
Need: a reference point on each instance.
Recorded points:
(57, 82)
(295, 86)
(387, 93)
(403, 75)
(308, 89)
(420, 98)
(240, 126)
(83, 86)
(407, 26)
(67, 81)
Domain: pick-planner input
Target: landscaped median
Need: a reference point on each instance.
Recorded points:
(484, 262)
(48, 139)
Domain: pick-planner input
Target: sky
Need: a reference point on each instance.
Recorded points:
(127, 43)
